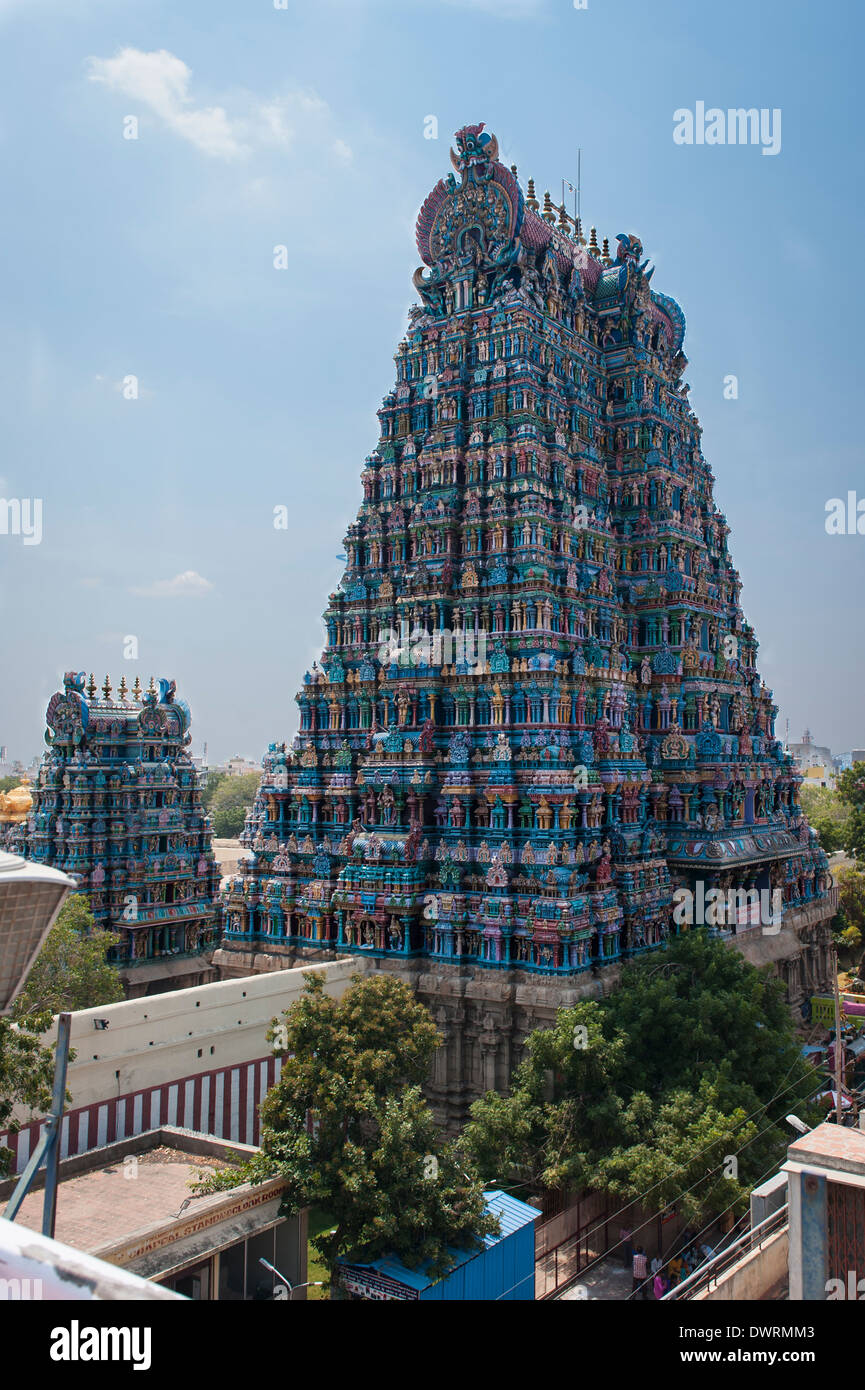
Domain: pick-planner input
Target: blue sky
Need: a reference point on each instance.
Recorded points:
(304, 127)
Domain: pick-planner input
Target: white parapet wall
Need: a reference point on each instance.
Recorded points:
(198, 1058)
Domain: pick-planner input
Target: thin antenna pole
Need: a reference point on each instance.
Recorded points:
(838, 1050)
(579, 180)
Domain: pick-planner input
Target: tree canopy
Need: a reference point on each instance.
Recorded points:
(851, 792)
(71, 971)
(26, 1074)
(829, 816)
(347, 1128)
(691, 1062)
(230, 802)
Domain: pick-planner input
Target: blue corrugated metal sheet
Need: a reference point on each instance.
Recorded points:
(503, 1269)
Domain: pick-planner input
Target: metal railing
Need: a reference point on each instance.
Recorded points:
(708, 1274)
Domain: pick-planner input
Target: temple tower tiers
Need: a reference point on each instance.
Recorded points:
(538, 711)
(117, 805)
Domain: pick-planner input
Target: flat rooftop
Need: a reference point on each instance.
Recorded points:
(110, 1205)
(831, 1146)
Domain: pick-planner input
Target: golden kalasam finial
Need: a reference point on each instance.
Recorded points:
(564, 220)
(123, 688)
(91, 687)
(531, 200)
(514, 170)
(106, 688)
(16, 805)
(606, 251)
(136, 690)
(594, 248)
(548, 214)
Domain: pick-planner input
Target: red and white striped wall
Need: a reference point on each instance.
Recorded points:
(223, 1102)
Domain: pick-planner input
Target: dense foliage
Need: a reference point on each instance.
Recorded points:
(71, 971)
(26, 1074)
(675, 1086)
(851, 791)
(347, 1128)
(829, 816)
(229, 801)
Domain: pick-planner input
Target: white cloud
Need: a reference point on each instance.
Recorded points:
(190, 584)
(161, 82)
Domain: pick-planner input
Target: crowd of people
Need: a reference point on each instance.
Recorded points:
(655, 1278)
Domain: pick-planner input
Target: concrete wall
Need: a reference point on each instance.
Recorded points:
(185, 1032)
(197, 1058)
(761, 1274)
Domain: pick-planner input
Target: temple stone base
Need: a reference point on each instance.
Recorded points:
(800, 954)
(164, 974)
(235, 963)
(485, 1016)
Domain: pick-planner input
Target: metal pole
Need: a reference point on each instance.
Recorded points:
(55, 1120)
(48, 1146)
(838, 1042)
(579, 181)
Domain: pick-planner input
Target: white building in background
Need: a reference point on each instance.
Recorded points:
(810, 754)
(239, 767)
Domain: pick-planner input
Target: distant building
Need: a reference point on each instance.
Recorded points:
(820, 775)
(15, 808)
(809, 754)
(117, 804)
(240, 767)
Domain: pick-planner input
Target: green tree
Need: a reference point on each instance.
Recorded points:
(851, 790)
(677, 1152)
(231, 801)
(828, 814)
(348, 1130)
(849, 925)
(212, 785)
(26, 1074)
(657, 1088)
(563, 1110)
(71, 971)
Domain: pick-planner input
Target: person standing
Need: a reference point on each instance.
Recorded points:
(626, 1235)
(641, 1272)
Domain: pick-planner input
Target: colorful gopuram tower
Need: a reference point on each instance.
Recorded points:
(117, 805)
(538, 712)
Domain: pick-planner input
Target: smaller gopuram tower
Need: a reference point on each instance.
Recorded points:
(117, 805)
